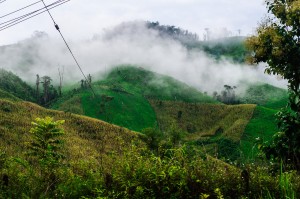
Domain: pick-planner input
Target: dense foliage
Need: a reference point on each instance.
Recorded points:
(277, 43)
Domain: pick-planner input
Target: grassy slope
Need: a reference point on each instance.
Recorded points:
(86, 140)
(209, 125)
(265, 95)
(229, 131)
(122, 98)
(262, 125)
(270, 99)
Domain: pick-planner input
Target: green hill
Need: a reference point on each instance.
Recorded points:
(14, 85)
(136, 98)
(265, 95)
(122, 97)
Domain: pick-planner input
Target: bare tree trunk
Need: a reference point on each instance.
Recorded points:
(61, 79)
(37, 88)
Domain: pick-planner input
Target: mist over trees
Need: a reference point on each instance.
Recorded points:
(227, 96)
(174, 32)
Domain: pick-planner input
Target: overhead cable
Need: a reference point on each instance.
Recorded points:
(29, 17)
(19, 9)
(12, 21)
(77, 63)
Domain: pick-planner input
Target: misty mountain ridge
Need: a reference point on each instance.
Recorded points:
(205, 65)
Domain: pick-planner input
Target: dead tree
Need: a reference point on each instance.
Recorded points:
(37, 88)
(61, 79)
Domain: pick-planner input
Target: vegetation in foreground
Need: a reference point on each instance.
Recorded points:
(277, 44)
(85, 158)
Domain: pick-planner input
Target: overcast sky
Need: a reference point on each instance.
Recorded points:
(81, 19)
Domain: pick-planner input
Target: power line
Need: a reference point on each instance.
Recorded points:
(57, 28)
(12, 21)
(19, 21)
(19, 9)
(2, 1)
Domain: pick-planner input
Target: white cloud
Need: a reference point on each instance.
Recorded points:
(141, 47)
(81, 18)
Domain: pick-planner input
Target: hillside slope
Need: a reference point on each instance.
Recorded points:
(13, 85)
(217, 129)
(86, 139)
(7, 95)
(122, 97)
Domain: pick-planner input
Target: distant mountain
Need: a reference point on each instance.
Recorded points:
(229, 47)
(226, 47)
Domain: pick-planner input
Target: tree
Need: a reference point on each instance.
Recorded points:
(46, 81)
(278, 44)
(227, 96)
(89, 77)
(45, 144)
(153, 137)
(46, 147)
(37, 88)
(61, 79)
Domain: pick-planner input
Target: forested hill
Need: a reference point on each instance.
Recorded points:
(230, 47)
